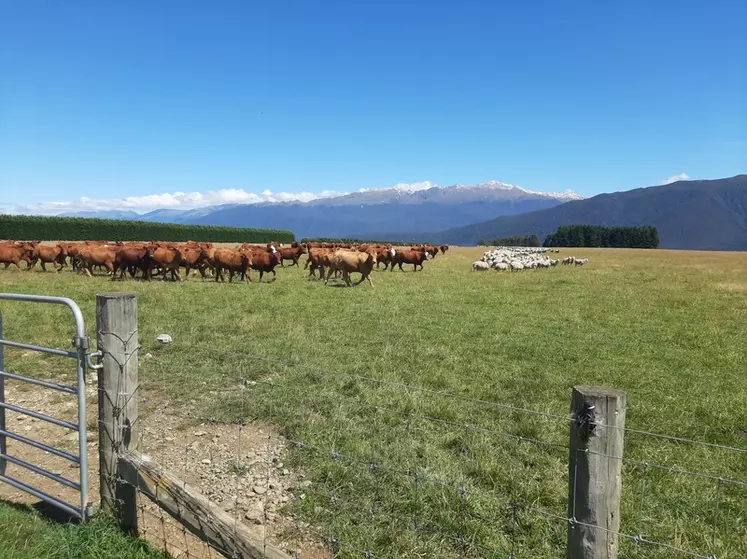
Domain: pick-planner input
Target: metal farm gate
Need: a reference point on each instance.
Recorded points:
(80, 356)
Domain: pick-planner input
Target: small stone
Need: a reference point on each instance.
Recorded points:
(259, 490)
(148, 356)
(255, 514)
(169, 439)
(304, 484)
(200, 433)
(207, 461)
(302, 496)
(285, 472)
(21, 418)
(284, 498)
(164, 339)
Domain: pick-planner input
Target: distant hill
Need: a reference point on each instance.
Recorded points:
(697, 215)
(112, 214)
(369, 213)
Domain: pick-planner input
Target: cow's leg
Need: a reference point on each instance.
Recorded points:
(368, 277)
(274, 274)
(261, 273)
(186, 271)
(44, 266)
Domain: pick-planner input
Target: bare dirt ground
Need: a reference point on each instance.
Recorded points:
(239, 468)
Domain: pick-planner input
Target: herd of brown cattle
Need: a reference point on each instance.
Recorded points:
(167, 259)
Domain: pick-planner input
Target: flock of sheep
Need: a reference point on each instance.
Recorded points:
(522, 258)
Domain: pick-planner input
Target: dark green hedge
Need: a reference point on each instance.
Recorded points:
(355, 241)
(39, 228)
(527, 241)
(607, 237)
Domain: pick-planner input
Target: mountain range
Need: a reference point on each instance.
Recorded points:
(368, 213)
(695, 215)
(691, 214)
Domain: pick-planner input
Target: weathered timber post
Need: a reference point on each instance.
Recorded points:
(595, 472)
(117, 339)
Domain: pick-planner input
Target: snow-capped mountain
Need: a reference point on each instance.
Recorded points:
(369, 213)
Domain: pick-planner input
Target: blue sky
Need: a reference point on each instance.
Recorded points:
(111, 99)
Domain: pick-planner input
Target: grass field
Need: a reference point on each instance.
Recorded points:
(664, 326)
(26, 535)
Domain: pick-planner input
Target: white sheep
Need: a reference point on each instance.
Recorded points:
(479, 265)
(501, 266)
(581, 261)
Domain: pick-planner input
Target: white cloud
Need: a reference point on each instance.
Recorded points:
(173, 200)
(675, 178)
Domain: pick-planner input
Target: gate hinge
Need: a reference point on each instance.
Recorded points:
(83, 342)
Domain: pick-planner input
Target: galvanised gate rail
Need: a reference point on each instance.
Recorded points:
(82, 359)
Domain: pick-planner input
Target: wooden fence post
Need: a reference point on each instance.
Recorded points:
(595, 472)
(117, 339)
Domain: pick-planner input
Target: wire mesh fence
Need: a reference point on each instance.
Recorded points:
(329, 463)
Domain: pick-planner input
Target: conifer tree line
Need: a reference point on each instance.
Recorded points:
(525, 241)
(606, 237)
(42, 228)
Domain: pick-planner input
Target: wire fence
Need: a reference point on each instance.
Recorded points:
(322, 463)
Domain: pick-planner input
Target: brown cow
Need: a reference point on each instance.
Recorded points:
(265, 261)
(47, 254)
(235, 261)
(293, 253)
(444, 248)
(414, 257)
(13, 254)
(165, 259)
(384, 255)
(194, 256)
(318, 260)
(132, 258)
(93, 255)
(348, 261)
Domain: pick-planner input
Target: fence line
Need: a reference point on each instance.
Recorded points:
(468, 482)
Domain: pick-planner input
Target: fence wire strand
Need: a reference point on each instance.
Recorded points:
(373, 509)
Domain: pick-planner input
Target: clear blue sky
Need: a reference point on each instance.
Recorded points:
(106, 99)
